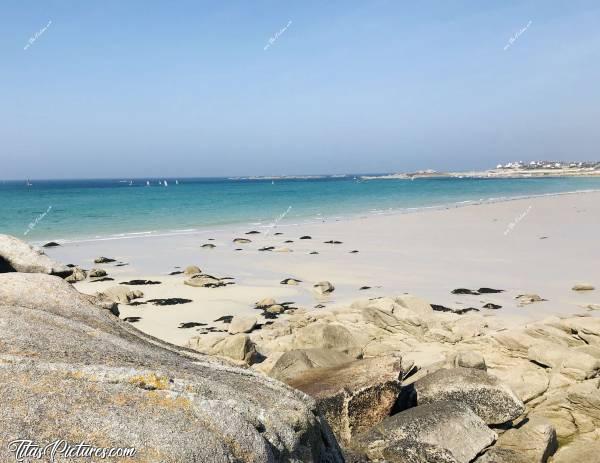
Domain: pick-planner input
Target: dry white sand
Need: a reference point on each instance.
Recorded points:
(552, 244)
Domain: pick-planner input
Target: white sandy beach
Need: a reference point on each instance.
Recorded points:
(541, 245)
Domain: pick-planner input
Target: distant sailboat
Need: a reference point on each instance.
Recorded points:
(176, 182)
(130, 182)
(159, 182)
(147, 183)
(166, 184)
(272, 182)
(28, 183)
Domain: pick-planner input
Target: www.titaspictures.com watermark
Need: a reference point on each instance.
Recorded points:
(512, 225)
(36, 35)
(277, 220)
(26, 450)
(516, 36)
(33, 224)
(276, 36)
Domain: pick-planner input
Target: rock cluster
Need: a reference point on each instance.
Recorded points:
(399, 382)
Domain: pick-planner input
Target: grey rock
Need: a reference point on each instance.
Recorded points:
(18, 256)
(353, 396)
(469, 359)
(70, 367)
(119, 294)
(491, 400)
(103, 260)
(437, 432)
(192, 270)
(533, 442)
(77, 275)
(323, 287)
(583, 287)
(97, 273)
(240, 324)
(297, 361)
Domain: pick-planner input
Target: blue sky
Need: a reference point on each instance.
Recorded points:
(186, 88)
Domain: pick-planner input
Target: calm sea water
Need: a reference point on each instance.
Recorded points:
(89, 209)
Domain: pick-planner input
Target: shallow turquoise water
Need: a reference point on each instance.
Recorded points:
(79, 209)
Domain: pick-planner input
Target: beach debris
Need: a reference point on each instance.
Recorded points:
(489, 291)
(320, 306)
(543, 237)
(290, 281)
(190, 324)
(253, 232)
(103, 260)
(354, 251)
(465, 291)
(140, 282)
(278, 233)
(77, 275)
(224, 319)
(288, 241)
(362, 288)
(192, 270)
(313, 252)
(51, 244)
(442, 308)
(306, 237)
(121, 264)
(71, 265)
(211, 239)
(132, 319)
(242, 240)
(332, 242)
(525, 299)
(241, 324)
(583, 287)
(208, 246)
(98, 280)
(492, 306)
(238, 249)
(267, 248)
(97, 273)
(593, 306)
(170, 301)
(176, 272)
(323, 287)
(137, 303)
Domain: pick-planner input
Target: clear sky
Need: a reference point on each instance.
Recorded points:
(186, 88)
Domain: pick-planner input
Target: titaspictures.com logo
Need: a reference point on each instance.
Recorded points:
(26, 451)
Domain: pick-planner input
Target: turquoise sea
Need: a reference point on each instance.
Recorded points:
(91, 209)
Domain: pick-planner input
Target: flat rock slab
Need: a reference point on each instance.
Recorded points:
(432, 433)
(492, 401)
(533, 442)
(354, 396)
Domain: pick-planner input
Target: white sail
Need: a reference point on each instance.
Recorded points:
(166, 184)
(147, 183)
(176, 182)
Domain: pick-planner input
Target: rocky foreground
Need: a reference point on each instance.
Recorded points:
(399, 382)
(70, 369)
(386, 380)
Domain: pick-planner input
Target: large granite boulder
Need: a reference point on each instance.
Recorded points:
(354, 396)
(18, 256)
(492, 401)
(70, 370)
(447, 432)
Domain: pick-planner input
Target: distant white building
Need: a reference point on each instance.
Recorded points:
(499, 166)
